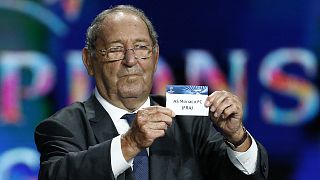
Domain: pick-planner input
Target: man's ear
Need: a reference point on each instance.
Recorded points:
(87, 61)
(156, 56)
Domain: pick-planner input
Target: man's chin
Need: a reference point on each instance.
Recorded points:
(132, 87)
(132, 93)
(132, 90)
(134, 98)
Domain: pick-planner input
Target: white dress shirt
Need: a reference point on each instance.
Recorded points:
(244, 161)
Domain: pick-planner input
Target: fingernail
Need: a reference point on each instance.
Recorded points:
(212, 108)
(215, 114)
(207, 103)
(173, 114)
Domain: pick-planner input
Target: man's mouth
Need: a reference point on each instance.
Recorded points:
(130, 74)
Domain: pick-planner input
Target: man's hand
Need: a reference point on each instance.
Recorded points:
(226, 113)
(150, 124)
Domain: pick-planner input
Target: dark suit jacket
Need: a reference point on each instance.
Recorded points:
(75, 144)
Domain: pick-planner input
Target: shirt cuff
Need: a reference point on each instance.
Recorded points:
(118, 162)
(245, 161)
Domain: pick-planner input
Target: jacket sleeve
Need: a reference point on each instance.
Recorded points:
(65, 153)
(214, 159)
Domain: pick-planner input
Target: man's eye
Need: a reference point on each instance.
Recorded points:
(141, 47)
(115, 49)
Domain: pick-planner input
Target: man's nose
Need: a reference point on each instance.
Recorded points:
(129, 57)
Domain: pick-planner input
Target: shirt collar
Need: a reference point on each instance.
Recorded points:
(115, 112)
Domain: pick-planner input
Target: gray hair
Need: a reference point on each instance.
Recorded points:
(95, 27)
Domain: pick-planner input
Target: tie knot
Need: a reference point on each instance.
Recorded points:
(129, 117)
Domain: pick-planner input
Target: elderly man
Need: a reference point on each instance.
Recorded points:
(121, 132)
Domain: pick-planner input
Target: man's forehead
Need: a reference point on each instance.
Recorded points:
(121, 16)
(124, 24)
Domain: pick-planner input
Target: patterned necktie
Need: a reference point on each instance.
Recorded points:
(140, 162)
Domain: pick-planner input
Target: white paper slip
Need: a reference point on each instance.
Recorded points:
(187, 100)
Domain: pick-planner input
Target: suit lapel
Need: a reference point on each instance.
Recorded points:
(104, 129)
(100, 120)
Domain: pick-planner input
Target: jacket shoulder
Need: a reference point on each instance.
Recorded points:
(69, 122)
(71, 116)
(74, 110)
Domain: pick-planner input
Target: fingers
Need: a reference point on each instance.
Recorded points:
(223, 104)
(158, 126)
(225, 108)
(216, 98)
(156, 114)
(225, 111)
(160, 109)
(150, 124)
(231, 110)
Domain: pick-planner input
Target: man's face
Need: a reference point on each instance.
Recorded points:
(130, 78)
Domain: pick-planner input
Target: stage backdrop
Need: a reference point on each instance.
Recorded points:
(266, 52)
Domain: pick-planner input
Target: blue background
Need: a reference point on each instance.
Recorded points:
(258, 27)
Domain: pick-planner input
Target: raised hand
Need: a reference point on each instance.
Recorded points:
(150, 124)
(226, 112)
